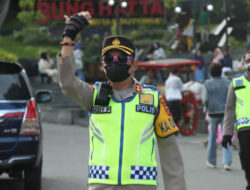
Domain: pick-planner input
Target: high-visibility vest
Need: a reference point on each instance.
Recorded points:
(122, 140)
(241, 87)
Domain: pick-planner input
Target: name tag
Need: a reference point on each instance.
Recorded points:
(99, 110)
(145, 109)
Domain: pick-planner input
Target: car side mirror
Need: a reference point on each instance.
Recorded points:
(43, 96)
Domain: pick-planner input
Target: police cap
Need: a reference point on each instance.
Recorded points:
(118, 42)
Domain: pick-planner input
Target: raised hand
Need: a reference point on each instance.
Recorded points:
(76, 23)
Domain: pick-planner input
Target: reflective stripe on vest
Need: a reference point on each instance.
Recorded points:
(242, 110)
(122, 141)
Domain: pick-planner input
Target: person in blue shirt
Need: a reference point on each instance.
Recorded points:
(199, 72)
(214, 96)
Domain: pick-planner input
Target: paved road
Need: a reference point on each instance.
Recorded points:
(66, 156)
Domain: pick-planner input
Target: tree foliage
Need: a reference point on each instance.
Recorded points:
(170, 3)
(28, 15)
(4, 7)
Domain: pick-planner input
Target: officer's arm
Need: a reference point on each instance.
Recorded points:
(71, 85)
(171, 163)
(170, 157)
(229, 116)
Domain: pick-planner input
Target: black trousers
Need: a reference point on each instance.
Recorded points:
(175, 109)
(244, 140)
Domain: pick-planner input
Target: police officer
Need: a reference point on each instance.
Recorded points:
(238, 111)
(126, 118)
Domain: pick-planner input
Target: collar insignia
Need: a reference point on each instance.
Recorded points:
(138, 87)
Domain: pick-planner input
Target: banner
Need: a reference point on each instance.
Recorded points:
(135, 10)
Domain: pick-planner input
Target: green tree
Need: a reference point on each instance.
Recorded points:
(28, 15)
(170, 3)
(169, 6)
(4, 7)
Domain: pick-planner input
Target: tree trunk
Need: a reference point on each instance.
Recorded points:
(4, 6)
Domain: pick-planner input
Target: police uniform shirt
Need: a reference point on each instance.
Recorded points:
(170, 158)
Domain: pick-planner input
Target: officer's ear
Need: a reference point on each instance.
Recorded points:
(104, 70)
(133, 66)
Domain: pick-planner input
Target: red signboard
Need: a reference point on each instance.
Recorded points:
(55, 10)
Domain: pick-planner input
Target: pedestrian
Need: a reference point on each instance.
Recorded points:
(148, 78)
(204, 25)
(46, 66)
(218, 55)
(227, 63)
(180, 39)
(199, 70)
(78, 53)
(238, 111)
(198, 57)
(123, 122)
(214, 97)
(189, 33)
(173, 93)
(158, 53)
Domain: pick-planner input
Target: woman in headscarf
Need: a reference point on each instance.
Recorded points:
(159, 52)
(46, 66)
(199, 57)
(218, 55)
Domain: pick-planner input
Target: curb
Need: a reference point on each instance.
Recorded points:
(70, 116)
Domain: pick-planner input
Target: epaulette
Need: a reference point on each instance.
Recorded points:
(238, 75)
(149, 87)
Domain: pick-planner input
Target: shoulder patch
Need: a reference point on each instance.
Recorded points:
(164, 103)
(164, 123)
(238, 82)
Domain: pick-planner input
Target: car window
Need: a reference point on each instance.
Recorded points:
(13, 87)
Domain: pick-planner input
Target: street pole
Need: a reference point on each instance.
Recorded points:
(227, 15)
(117, 16)
(195, 22)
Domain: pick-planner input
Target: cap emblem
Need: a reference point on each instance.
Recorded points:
(116, 41)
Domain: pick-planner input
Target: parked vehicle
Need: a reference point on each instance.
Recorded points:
(162, 68)
(20, 126)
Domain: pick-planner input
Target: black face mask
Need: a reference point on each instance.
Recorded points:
(117, 72)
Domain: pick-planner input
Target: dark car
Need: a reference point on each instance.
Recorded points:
(20, 126)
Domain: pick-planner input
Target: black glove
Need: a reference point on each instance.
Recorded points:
(74, 25)
(227, 139)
